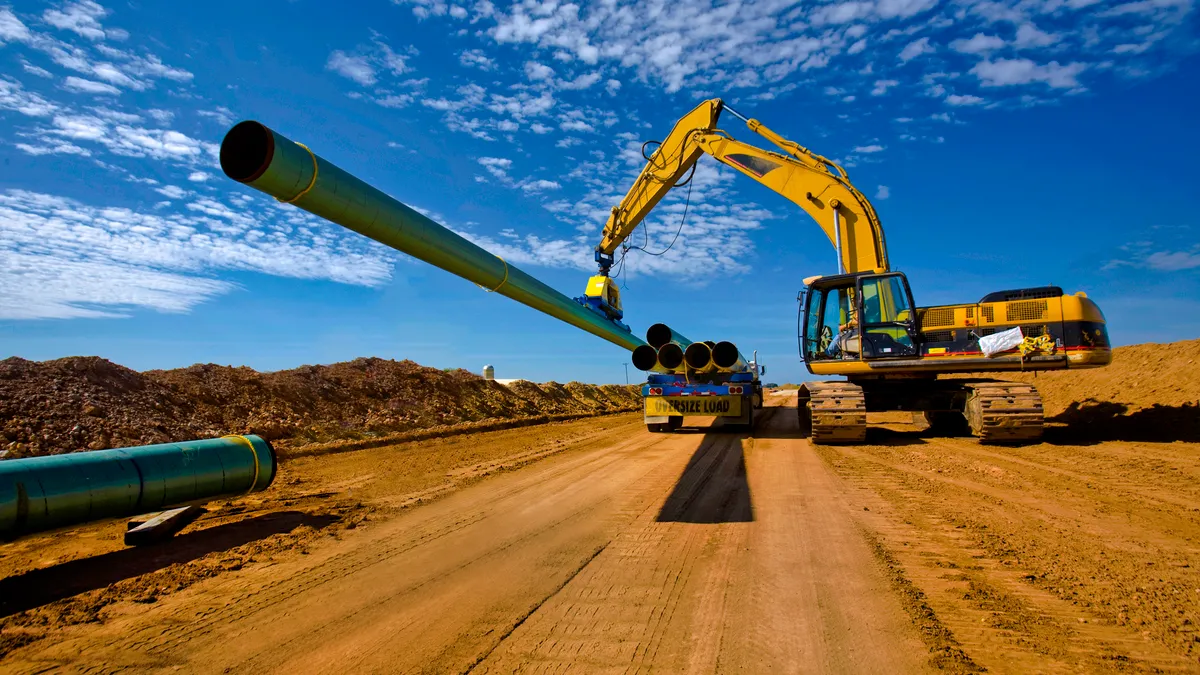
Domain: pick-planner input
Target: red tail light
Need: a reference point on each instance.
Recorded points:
(735, 390)
(656, 391)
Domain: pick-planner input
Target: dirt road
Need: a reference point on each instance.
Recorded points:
(599, 546)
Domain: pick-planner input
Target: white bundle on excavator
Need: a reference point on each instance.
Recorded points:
(997, 343)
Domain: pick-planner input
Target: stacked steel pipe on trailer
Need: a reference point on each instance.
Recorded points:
(645, 357)
(727, 357)
(660, 334)
(267, 161)
(670, 356)
(698, 357)
(43, 493)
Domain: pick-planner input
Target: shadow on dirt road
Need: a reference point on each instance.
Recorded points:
(42, 586)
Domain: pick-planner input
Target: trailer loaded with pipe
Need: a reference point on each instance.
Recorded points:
(696, 379)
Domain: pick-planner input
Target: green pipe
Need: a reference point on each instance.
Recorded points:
(725, 355)
(698, 357)
(645, 357)
(44, 493)
(267, 161)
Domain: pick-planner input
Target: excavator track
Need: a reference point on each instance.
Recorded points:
(833, 412)
(1004, 412)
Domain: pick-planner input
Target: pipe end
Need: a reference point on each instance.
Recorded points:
(670, 356)
(246, 151)
(658, 335)
(645, 357)
(725, 354)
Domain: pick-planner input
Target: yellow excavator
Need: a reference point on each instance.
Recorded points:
(861, 323)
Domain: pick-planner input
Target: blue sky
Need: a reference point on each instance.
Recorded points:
(1005, 144)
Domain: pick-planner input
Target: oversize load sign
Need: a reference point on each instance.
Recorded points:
(720, 406)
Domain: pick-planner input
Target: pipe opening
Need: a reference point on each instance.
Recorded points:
(658, 335)
(698, 356)
(644, 357)
(725, 354)
(247, 151)
(670, 356)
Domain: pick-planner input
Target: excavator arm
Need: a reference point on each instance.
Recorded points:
(814, 183)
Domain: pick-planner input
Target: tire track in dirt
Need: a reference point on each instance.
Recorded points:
(973, 527)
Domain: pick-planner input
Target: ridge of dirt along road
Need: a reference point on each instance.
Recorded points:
(596, 546)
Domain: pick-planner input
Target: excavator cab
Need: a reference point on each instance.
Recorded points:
(857, 317)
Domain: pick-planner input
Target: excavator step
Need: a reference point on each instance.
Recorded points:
(833, 412)
(1004, 412)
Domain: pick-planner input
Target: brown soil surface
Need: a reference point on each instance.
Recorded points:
(1150, 392)
(82, 403)
(596, 545)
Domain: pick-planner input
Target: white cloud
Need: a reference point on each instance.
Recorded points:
(955, 99)
(1029, 37)
(882, 192)
(868, 149)
(118, 134)
(355, 68)
(914, 49)
(82, 86)
(11, 28)
(612, 87)
(14, 97)
(221, 115)
(584, 81)
(538, 71)
(161, 116)
(569, 141)
(1173, 261)
(497, 166)
(539, 185)
(979, 44)
(61, 258)
(35, 70)
(1151, 255)
(46, 147)
(199, 177)
(1008, 72)
(172, 191)
(476, 58)
(82, 17)
(882, 86)
(575, 125)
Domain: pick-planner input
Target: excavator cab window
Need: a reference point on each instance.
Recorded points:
(888, 323)
(830, 323)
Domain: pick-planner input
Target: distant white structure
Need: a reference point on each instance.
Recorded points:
(489, 373)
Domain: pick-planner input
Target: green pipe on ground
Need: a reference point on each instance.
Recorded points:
(265, 160)
(44, 493)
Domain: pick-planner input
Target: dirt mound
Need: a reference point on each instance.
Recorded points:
(80, 403)
(1150, 392)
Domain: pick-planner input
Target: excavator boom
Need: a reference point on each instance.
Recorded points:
(814, 183)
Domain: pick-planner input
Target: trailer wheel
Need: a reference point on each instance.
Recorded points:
(655, 428)
(673, 423)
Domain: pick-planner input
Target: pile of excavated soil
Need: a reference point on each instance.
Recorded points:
(1140, 376)
(81, 403)
(1149, 392)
